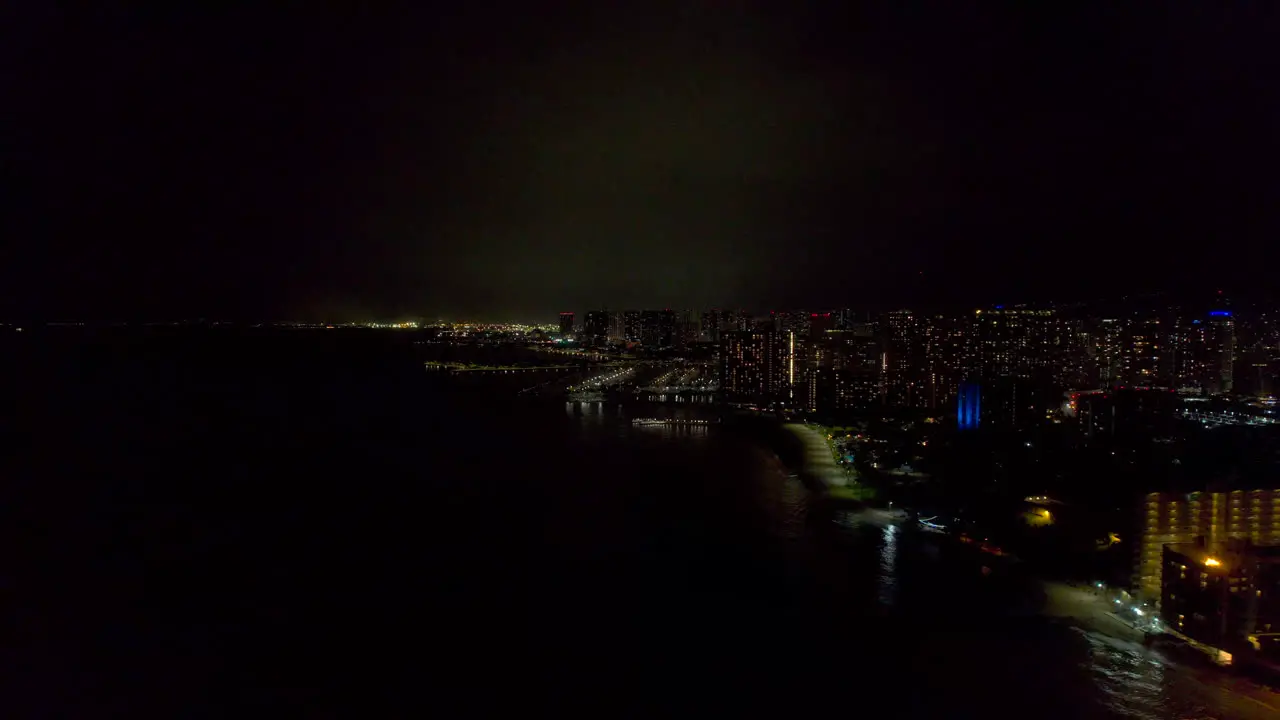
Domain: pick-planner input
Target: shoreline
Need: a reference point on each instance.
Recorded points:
(1086, 610)
(815, 459)
(1069, 606)
(1076, 606)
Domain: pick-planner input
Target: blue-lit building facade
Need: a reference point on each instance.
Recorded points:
(1223, 329)
(969, 406)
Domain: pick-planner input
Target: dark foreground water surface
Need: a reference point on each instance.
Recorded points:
(197, 532)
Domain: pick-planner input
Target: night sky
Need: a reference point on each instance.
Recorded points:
(261, 164)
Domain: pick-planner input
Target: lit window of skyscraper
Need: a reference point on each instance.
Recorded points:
(595, 328)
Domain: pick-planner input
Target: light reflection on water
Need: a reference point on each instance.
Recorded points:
(888, 565)
(899, 576)
(792, 510)
(1121, 678)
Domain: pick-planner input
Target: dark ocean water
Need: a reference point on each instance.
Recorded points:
(196, 529)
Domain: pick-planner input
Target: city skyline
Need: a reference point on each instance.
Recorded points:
(1204, 301)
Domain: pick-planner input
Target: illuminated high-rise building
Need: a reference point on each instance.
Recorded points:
(712, 325)
(1218, 517)
(1073, 366)
(1255, 371)
(798, 322)
(1191, 366)
(1015, 356)
(1202, 352)
(1222, 337)
(1012, 402)
(829, 390)
(1225, 597)
(847, 319)
(595, 328)
(688, 328)
(1140, 354)
(658, 328)
(758, 365)
(855, 349)
(811, 355)
(948, 354)
(1176, 346)
(820, 323)
(1015, 342)
(904, 360)
(856, 389)
(743, 365)
(781, 364)
(968, 406)
(1107, 352)
(566, 323)
(632, 326)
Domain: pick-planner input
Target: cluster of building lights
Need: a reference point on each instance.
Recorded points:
(467, 328)
(393, 326)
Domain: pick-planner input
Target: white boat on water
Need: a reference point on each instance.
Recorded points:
(932, 524)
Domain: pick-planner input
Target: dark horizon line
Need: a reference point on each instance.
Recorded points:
(1177, 300)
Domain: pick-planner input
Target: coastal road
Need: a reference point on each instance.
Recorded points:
(818, 461)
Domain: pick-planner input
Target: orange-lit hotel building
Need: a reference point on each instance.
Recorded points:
(1252, 515)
